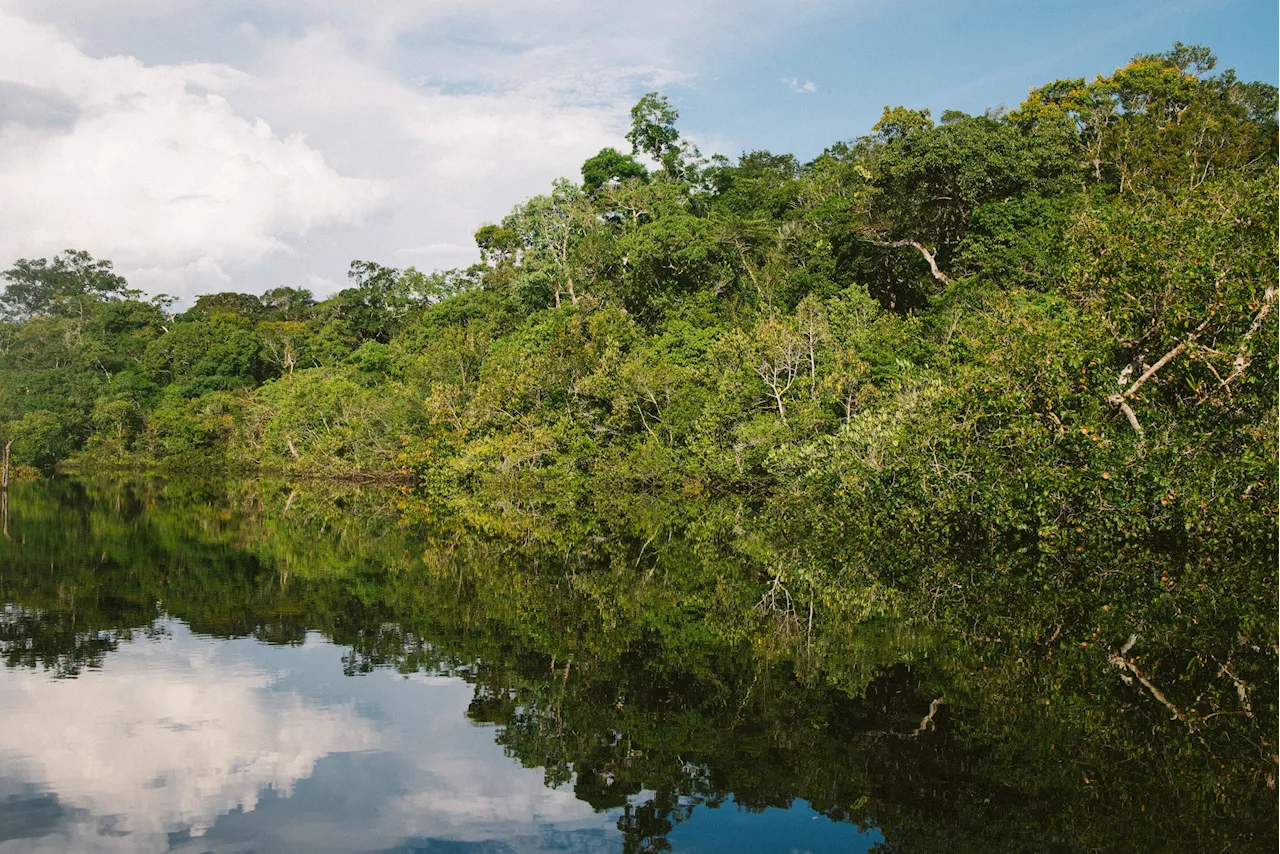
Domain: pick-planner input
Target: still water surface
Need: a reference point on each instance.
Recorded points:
(125, 729)
(262, 667)
(183, 742)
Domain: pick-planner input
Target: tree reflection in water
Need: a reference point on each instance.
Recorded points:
(642, 651)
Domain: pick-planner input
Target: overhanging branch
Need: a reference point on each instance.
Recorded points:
(1120, 399)
(915, 244)
(1243, 358)
(1119, 660)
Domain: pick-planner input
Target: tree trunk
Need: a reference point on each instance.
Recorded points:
(782, 409)
(1120, 399)
(928, 256)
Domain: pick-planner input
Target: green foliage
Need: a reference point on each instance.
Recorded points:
(288, 304)
(67, 285)
(40, 439)
(609, 166)
(181, 425)
(324, 419)
(950, 328)
(671, 654)
(898, 123)
(200, 356)
(653, 129)
(228, 305)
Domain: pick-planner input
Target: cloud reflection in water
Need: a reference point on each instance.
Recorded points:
(189, 742)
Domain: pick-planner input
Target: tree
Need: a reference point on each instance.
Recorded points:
(653, 131)
(898, 123)
(814, 330)
(498, 245)
(372, 309)
(608, 166)
(41, 439)
(228, 304)
(781, 354)
(847, 381)
(284, 342)
(1158, 122)
(547, 229)
(1186, 286)
(200, 356)
(65, 286)
(288, 303)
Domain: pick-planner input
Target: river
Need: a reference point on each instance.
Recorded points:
(258, 666)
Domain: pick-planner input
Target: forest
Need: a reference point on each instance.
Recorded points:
(1041, 325)
(708, 429)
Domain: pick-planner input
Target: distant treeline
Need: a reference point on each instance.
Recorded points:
(1010, 323)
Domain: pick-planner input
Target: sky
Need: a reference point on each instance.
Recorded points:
(210, 145)
(184, 743)
(221, 747)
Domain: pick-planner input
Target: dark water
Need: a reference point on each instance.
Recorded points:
(182, 742)
(268, 668)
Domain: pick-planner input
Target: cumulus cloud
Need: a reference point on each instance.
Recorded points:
(207, 146)
(150, 163)
(184, 744)
(164, 739)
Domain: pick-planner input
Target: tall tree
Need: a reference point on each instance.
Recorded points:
(608, 166)
(64, 286)
(653, 131)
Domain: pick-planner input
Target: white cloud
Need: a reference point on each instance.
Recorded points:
(164, 739)
(177, 736)
(252, 145)
(464, 252)
(794, 84)
(156, 170)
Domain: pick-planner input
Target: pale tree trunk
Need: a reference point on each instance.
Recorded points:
(928, 256)
(781, 359)
(779, 374)
(564, 260)
(1120, 399)
(1243, 357)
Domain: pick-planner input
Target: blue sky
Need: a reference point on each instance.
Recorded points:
(242, 145)
(966, 56)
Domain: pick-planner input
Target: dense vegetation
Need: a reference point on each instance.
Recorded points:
(632, 654)
(700, 427)
(999, 323)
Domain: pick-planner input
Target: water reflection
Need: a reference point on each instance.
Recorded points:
(181, 742)
(165, 736)
(341, 673)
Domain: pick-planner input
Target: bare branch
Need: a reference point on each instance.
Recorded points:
(1243, 358)
(1123, 663)
(1119, 400)
(1242, 690)
(915, 244)
(928, 719)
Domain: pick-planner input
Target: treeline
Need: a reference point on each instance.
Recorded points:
(1010, 322)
